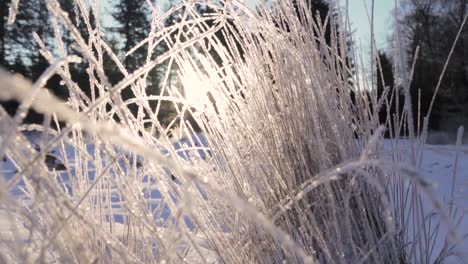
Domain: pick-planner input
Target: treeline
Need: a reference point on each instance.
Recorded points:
(429, 26)
(131, 24)
(19, 51)
(428, 32)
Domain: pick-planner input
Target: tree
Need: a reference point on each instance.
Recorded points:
(19, 51)
(390, 97)
(133, 24)
(319, 10)
(326, 17)
(132, 19)
(3, 21)
(454, 93)
(431, 26)
(17, 42)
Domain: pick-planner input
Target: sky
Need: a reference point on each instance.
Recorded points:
(359, 21)
(383, 21)
(357, 12)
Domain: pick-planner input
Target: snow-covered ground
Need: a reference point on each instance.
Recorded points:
(186, 148)
(441, 166)
(62, 161)
(447, 169)
(444, 166)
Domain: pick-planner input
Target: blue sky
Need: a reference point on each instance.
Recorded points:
(357, 11)
(359, 19)
(382, 21)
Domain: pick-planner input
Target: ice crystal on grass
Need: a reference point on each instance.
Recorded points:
(280, 159)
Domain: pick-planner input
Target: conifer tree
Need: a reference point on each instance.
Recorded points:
(19, 49)
(3, 21)
(389, 108)
(133, 25)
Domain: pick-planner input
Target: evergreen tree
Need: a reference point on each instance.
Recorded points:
(133, 25)
(69, 7)
(20, 51)
(319, 10)
(17, 41)
(385, 82)
(4, 5)
(326, 16)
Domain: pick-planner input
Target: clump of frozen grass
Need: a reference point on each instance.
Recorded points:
(287, 167)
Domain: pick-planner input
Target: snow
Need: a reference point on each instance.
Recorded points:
(188, 149)
(437, 167)
(184, 148)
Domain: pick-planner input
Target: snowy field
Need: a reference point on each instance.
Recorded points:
(292, 167)
(58, 156)
(445, 167)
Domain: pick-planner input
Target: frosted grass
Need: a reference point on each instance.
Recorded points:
(288, 166)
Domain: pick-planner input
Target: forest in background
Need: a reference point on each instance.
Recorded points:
(291, 160)
(428, 29)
